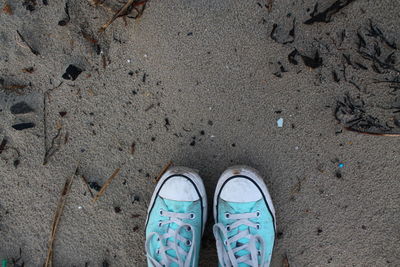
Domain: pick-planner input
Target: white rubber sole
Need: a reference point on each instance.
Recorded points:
(190, 174)
(252, 174)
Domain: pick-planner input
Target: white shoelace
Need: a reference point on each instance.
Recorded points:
(226, 254)
(166, 259)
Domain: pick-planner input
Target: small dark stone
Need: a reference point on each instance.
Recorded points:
(21, 108)
(233, 145)
(210, 123)
(135, 228)
(190, 34)
(319, 231)
(117, 209)
(16, 163)
(71, 73)
(279, 235)
(62, 113)
(153, 139)
(134, 92)
(363, 227)
(338, 174)
(23, 126)
(130, 73)
(397, 122)
(202, 132)
(193, 143)
(29, 5)
(278, 111)
(105, 264)
(95, 186)
(135, 198)
(62, 22)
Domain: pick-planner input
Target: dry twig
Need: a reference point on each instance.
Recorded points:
(371, 133)
(125, 10)
(87, 185)
(53, 148)
(106, 184)
(57, 217)
(24, 43)
(165, 168)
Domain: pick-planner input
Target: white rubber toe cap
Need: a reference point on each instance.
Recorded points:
(180, 189)
(240, 190)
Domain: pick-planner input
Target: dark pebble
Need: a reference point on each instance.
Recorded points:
(21, 108)
(62, 22)
(338, 174)
(16, 163)
(105, 264)
(72, 72)
(95, 186)
(117, 209)
(23, 126)
(62, 113)
(193, 143)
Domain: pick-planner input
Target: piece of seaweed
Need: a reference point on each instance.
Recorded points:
(352, 115)
(326, 15)
(312, 62)
(292, 57)
(376, 32)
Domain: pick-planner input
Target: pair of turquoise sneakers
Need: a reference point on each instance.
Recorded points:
(243, 212)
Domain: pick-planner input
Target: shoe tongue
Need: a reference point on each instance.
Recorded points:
(177, 206)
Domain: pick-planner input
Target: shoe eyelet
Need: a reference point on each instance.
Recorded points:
(192, 216)
(158, 251)
(258, 226)
(228, 227)
(161, 212)
(158, 239)
(188, 228)
(258, 213)
(227, 215)
(159, 223)
(226, 242)
(259, 252)
(188, 242)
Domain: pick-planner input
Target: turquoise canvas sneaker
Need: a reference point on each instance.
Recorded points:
(244, 219)
(175, 219)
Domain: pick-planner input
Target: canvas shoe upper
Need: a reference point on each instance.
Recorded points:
(176, 218)
(244, 219)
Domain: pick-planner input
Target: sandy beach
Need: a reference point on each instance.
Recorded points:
(202, 84)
